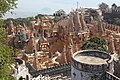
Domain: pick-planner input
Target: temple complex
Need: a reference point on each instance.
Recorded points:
(46, 44)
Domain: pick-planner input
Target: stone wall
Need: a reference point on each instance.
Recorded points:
(58, 69)
(65, 69)
(85, 75)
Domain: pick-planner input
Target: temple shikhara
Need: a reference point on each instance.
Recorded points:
(46, 44)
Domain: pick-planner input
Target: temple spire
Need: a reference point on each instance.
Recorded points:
(31, 47)
(111, 45)
(77, 22)
(38, 20)
(64, 60)
(35, 62)
(77, 4)
(69, 53)
(70, 23)
(100, 29)
(10, 28)
(83, 23)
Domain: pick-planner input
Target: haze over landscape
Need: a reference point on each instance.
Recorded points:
(31, 8)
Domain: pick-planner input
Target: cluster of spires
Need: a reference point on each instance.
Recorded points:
(75, 27)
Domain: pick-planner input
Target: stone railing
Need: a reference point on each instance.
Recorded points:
(64, 69)
(110, 76)
(58, 69)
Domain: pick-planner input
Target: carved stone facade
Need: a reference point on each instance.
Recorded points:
(47, 44)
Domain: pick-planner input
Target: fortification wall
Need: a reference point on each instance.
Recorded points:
(89, 69)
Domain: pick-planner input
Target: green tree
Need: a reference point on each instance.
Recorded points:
(2, 23)
(6, 59)
(116, 21)
(39, 15)
(103, 6)
(59, 12)
(93, 13)
(19, 21)
(3, 38)
(95, 43)
(58, 15)
(7, 5)
(6, 52)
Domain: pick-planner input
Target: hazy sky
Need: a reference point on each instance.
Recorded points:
(33, 7)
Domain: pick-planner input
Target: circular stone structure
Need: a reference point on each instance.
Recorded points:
(91, 65)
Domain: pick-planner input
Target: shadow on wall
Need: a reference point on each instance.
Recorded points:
(117, 68)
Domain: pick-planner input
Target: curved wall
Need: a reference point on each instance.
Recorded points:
(89, 69)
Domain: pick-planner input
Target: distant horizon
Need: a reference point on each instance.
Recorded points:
(48, 7)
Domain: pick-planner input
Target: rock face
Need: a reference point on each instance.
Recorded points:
(90, 65)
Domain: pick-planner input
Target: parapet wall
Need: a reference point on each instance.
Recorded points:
(65, 68)
(111, 27)
(88, 67)
(58, 69)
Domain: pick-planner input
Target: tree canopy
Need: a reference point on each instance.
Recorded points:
(7, 5)
(6, 59)
(3, 37)
(103, 6)
(95, 43)
(59, 12)
(59, 15)
(93, 13)
(6, 52)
